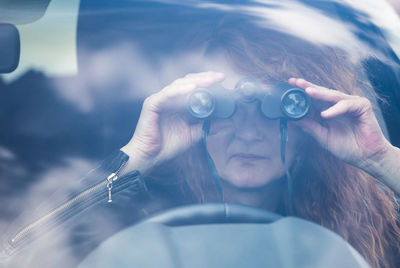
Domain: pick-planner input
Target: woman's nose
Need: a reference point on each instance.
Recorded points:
(250, 127)
(248, 133)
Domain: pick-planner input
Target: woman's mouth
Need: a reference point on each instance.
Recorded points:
(247, 157)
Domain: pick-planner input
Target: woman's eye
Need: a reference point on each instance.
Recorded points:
(218, 126)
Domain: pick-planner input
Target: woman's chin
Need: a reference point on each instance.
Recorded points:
(249, 180)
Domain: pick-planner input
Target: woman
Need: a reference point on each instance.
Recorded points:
(336, 154)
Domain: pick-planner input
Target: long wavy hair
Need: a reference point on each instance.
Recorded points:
(327, 191)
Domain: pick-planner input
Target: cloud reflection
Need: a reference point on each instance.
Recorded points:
(6, 154)
(123, 72)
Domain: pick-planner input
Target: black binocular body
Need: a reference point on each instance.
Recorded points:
(282, 101)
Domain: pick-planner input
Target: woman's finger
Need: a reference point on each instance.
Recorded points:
(201, 78)
(302, 83)
(299, 82)
(329, 95)
(355, 106)
(319, 92)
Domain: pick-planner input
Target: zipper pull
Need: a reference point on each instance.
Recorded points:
(110, 179)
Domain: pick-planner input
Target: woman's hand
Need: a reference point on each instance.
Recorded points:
(349, 128)
(164, 128)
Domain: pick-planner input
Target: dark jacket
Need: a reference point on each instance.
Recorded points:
(75, 220)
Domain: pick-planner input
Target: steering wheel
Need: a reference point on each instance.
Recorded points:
(213, 213)
(203, 235)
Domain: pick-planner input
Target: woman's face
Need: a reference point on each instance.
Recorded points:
(246, 147)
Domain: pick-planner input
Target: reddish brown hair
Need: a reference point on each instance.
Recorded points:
(326, 190)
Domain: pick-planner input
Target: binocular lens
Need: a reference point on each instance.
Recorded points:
(201, 104)
(295, 104)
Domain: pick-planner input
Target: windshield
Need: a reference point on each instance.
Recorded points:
(87, 66)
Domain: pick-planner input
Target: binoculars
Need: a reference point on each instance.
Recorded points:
(282, 101)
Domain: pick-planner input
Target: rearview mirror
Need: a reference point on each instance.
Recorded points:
(9, 48)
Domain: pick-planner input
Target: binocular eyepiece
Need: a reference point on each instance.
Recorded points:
(281, 101)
